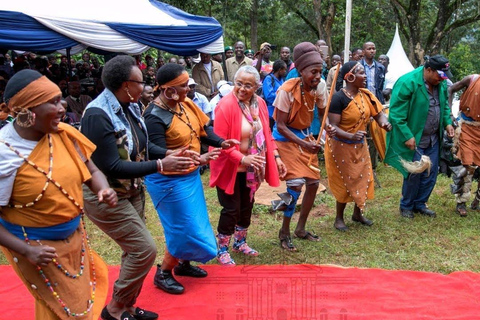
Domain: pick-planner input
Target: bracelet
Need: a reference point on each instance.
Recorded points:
(159, 165)
(241, 161)
(277, 156)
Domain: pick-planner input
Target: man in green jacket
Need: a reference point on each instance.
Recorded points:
(419, 113)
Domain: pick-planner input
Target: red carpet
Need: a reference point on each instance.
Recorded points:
(293, 292)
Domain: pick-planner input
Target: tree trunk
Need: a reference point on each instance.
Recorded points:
(254, 25)
(327, 26)
(450, 15)
(317, 9)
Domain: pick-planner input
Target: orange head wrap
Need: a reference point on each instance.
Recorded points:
(181, 79)
(28, 89)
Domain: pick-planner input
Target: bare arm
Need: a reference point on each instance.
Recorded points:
(457, 86)
(382, 121)
(37, 255)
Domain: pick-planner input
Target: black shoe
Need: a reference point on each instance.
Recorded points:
(141, 314)
(187, 270)
(406, 213)
(363, 221)
(164, 280)
(105, 315)
(426, 212)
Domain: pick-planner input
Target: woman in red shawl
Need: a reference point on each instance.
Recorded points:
(238, 171)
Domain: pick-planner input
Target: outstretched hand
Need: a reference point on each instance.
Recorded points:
(229, 143)
(211, 155)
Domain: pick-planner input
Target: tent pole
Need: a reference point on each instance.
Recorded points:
(348, 25)
(69, 65)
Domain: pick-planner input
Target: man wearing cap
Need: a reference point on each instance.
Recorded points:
(224, 88)
(249, 53)
(468, 133)
(228, 52)
(239, 60)
(200, 100)
(206, 74)
(419, 113)
(294, 105)
(265, 66)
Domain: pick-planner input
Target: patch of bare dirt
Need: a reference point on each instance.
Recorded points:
(265, 194)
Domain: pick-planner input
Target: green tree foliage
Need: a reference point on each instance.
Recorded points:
(461, 61)
(427, 23)
(426, 26)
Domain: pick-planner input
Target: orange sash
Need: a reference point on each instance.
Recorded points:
(69, 170)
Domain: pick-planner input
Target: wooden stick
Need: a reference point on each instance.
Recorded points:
(325, 115)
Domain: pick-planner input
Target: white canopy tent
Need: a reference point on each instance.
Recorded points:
(106, 25)
(399, 62)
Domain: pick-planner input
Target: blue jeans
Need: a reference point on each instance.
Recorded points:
(417, 188)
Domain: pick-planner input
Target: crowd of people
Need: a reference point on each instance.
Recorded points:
(135, 125)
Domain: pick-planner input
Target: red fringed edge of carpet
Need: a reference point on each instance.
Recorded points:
(292, 292)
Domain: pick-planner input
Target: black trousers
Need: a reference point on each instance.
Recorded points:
(237, 208)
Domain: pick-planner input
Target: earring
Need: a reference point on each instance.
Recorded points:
(175, 95)
(351, 77)
(129, 95)
(30, 118)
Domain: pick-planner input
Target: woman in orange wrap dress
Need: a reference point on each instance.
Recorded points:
(347, 160)
(43, 164)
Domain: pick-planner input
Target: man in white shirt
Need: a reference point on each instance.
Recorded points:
(200, 100)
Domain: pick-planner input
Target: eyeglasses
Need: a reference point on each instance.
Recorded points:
(136, 81)
(245, 86)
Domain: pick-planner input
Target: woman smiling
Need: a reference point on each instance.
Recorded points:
(43, 164)
(347, 160)
(238, 172)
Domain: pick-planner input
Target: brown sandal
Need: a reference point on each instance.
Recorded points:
(287, 244)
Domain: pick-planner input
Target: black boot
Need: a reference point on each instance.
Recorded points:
(186, 269)
(164, 280)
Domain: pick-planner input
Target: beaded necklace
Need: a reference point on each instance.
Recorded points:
(360, 109)
(48, 174)
(84, 234)
(179, 114)
(305, 100)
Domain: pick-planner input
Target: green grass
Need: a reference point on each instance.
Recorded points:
(445, 244)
